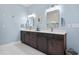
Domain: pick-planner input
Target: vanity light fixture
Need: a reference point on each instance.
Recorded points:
(32, 15)
(57, 7)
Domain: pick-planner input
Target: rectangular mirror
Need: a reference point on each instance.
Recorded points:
(53, 19)
(53, 16)
(30, 23)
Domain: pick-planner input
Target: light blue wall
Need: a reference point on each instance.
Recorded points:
(70, 13)
(10, 21)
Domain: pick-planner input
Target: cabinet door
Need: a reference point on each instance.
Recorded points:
(42, 42)
(56, 45)
(22, 36)
(27, 38)
(33, 39)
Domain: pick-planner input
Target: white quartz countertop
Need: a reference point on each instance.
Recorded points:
(45, 31)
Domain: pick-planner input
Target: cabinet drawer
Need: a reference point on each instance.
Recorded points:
(42, 35)
(51, 36)
(59, 37)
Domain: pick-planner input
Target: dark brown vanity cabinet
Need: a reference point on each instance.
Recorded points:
(33, 39)
(29, 38)
(42, 42)
(56, 44)
(51, 44)
(25, 37)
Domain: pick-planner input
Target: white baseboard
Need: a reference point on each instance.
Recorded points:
(12, 43)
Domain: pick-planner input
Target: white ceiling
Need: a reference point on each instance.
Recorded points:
(26, 5)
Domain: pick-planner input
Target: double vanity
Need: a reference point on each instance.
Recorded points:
(51, 43)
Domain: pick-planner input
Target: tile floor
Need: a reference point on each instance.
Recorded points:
(18, 49)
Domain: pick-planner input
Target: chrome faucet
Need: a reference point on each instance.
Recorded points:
(51, 29)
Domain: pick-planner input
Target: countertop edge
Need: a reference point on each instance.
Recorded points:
(61, 33)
